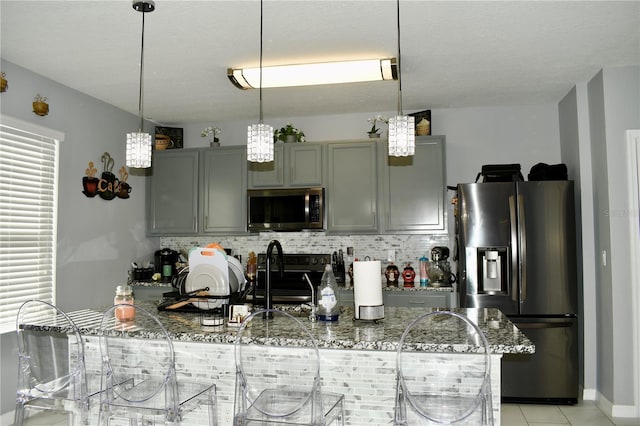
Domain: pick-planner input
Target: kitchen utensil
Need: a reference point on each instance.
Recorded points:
(193, 300)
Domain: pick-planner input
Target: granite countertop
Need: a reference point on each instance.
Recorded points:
(346, 333)
(399, 288)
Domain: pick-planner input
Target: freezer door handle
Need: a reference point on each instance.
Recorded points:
(523, 248)
(514, 251)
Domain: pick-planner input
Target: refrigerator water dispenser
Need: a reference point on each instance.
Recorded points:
(493, 275)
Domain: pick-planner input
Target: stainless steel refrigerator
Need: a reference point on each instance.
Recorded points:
(516, 251)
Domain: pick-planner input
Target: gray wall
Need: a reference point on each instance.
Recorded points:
(96, 238)
(593, 118)
(614, 107)
(570, 153)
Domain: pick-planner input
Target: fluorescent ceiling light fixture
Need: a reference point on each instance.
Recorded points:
(314, 74)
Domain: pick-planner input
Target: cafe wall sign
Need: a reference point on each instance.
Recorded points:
(107, 186)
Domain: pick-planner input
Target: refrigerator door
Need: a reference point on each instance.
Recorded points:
(550, 375)
(486, 223)
(547, 237)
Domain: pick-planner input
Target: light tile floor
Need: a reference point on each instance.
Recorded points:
(585, 413)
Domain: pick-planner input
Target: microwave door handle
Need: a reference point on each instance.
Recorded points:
(307, 207)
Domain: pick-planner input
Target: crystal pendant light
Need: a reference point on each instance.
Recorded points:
(401, 127)
(260, 136)
(138, 152)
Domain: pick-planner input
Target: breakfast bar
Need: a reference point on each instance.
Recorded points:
(357, 357)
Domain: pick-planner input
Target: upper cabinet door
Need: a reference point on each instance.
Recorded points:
(293, 165)
(268, 175)
(304, 165)
(414, 189)
(172, 204)
(224, 184)
(352, 200)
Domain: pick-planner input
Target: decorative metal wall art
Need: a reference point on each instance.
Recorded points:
(107, 186)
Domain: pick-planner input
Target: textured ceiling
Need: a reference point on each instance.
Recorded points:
(454, 53)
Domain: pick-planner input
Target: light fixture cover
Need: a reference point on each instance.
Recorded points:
(138, 153)
(260, 143)
(314, 74)
(402, 136)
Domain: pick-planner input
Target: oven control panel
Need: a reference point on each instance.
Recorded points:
(296, 262)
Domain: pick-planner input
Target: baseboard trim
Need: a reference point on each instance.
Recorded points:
(589, 394)
(617, 411)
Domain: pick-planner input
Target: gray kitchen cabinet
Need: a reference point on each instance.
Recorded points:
(269, 174)
(417, 299)
(345, 296)
(304, 164)
(413, 189)
(224, 189)
(172, 193)
(352, 187)
(294, 165)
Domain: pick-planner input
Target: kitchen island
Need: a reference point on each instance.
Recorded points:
(357, 357)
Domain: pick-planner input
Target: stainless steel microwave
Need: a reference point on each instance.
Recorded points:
(294, 209)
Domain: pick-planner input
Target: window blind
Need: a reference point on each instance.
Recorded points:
(28, 216)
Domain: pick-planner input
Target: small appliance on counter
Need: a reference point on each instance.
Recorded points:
(440, 270)
(165, 262)
(367, 291)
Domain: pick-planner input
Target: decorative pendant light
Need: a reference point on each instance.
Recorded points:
(260, 136)
(401, 127)
(138, 152)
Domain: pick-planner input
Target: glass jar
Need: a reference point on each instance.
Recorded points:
(124, 296)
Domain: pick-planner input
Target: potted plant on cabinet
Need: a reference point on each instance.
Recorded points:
(288, 134)
(374, 131)
(213, 133)
(40, 105)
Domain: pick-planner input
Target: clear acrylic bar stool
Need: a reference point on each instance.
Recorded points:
(139, 377)
(446, 388)
(278, 378)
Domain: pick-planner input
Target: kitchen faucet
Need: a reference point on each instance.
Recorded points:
(267, 290)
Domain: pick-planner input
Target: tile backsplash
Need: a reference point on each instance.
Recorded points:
(406, 248)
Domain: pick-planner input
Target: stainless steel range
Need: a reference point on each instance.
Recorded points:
(292, 287)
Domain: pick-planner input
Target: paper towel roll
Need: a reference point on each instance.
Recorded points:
(367, 283)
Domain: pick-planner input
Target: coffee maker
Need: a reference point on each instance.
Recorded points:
(440, 270)
(165, 262)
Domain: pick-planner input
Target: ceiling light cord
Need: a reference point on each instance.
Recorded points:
(140, 102)
(399, 60)
(261, 23)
